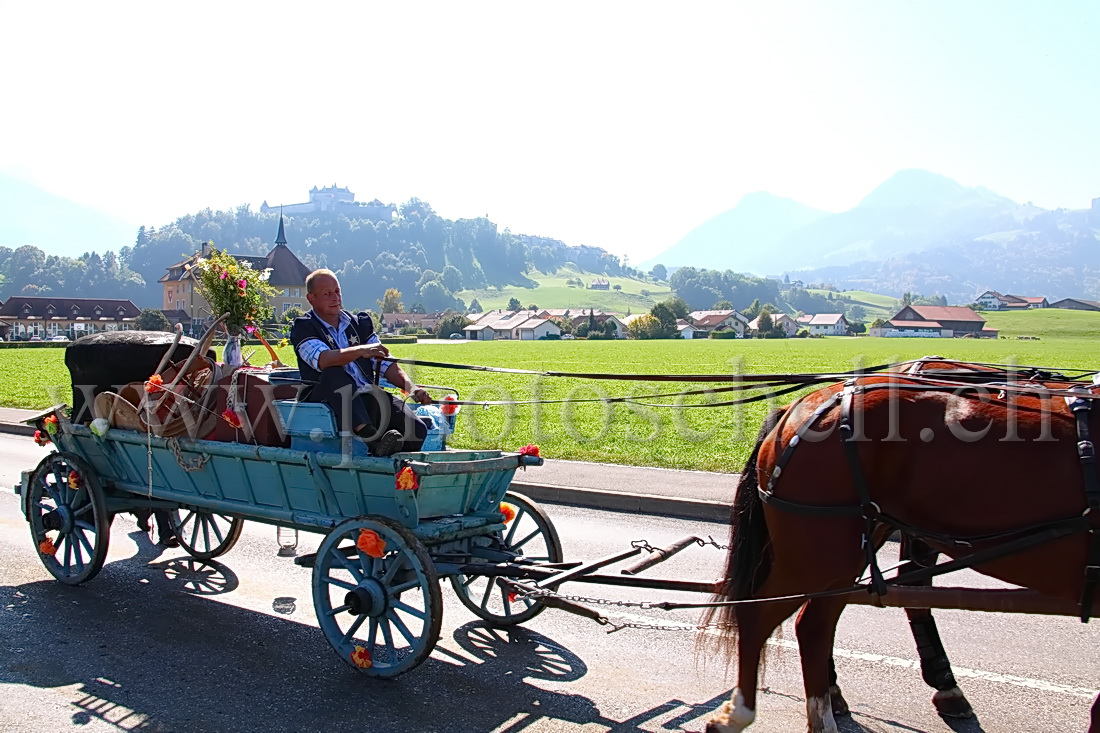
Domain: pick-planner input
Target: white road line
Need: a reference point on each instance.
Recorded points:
(995, 677)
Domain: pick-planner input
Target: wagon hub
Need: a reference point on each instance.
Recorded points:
(60, 518)
(367, 599)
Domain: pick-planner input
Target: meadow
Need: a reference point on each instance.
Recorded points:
(552, 292)
(689, 437)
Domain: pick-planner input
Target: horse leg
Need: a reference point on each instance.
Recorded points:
(816, 630)
(836, 699)
(935, 667)
(755, 623)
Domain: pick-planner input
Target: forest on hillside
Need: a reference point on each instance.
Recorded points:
(425, 256)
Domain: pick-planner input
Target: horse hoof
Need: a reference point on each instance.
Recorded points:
(838, 703)
(952, 703)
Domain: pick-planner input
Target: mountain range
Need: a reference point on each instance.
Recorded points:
(916, 232)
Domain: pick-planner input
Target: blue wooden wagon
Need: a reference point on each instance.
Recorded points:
(393, 527)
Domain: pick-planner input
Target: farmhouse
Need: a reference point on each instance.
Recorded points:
(707, 321)
(511, 325)
(991, 300)
(1076, 304)
(788, 324)
(936, 321)
(824, 324)
(23, 318)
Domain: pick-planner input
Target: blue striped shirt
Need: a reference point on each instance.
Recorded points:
(311, 349)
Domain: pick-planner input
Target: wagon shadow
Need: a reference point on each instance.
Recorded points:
(149, 648)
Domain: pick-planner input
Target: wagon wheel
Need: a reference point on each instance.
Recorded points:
(377, 597)
(530, 535)
(68, 517)
(205, 535)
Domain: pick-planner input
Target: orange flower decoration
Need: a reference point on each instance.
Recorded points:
(46, 546)
(231, 417)
(530, 450)
(50, 423)
(407, 480)
(74, 480)
(361, 657)
(155, 383)
(370, 543)
(508, 510)
(449, 407)
(41, 438)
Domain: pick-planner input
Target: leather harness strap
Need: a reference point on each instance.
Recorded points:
(1086, 453)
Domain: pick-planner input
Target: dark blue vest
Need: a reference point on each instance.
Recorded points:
(310, 326)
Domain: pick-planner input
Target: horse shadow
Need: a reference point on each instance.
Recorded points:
(151, 648)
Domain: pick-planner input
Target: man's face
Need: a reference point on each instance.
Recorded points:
(325, 297)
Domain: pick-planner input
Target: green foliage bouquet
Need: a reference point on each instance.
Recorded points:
(235, 288)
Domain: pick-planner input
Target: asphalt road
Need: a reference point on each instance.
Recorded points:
(159, 643)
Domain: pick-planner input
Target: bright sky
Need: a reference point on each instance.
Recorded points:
(616, 124)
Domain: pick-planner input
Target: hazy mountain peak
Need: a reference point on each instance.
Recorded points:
(915, 188)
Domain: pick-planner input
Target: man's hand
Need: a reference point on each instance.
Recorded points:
(421, 396)
(373, 351)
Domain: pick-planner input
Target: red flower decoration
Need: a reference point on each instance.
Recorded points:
(530, 450)
(511, 597)
(41, 438)
(231, 417)
(155, 383)
(46, 546)
(361, 657)
(50, 423)
(370, 543)
(448, 407)
(508, 510)
(74, 480)
(407, 480)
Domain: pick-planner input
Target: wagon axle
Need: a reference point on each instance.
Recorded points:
(367, 599)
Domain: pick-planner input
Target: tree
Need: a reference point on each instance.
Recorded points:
(151, 319)
(532, 307)
(857, 328)
(475, 307)
(514, 304)
(452, 278)
(452, 323)
(391, 301)
(753, 310)
(764, 324)
(292, 313)
(418, 308)
(857, 313)
(659, 272)
(723, 305)
(667, 320)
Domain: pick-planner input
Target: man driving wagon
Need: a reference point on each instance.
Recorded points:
(346, 362)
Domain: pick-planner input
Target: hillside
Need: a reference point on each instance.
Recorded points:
(551, 291)
(1046, 323)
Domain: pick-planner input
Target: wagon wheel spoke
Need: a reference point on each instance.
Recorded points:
(76, 497)
(414, 612)
(353, 628)
(405, 586)
(525, 540)
(79, 531)
(387, 638)
(487, 595)
(67, 542)
(84, 525)
(337, 609)
(205, 520)
(217, 530)
(372, 633)
(82, 511)
(340, 583)
(395, 620)
(355, 572)
(182, 527)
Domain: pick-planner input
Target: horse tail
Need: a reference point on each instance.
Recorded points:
(748, 560)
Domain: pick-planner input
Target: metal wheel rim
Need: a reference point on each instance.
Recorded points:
(532, 535)
(402, 626)
(206, 535)
(82, 539)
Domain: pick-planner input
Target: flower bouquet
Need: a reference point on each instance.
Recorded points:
(240, 291)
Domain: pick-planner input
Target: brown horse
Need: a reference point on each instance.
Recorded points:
(956, 457)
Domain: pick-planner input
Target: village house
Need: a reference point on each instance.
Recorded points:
(706, 322)
(23, 318)
(789, 325)
(824, 324)
(935, 321)
(577, 317)
(392, 322)
(991, 300)
(685, 329)
(521, 325)
(183, 304)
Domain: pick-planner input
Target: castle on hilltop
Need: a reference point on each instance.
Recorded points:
(335, 199)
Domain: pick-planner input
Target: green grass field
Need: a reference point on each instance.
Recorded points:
(552, 292)
(703, 438)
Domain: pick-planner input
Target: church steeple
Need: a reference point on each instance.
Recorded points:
(281, 239)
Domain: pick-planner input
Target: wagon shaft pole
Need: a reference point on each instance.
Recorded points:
(968, 599)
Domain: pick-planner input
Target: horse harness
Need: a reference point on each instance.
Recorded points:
(1079, 400)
